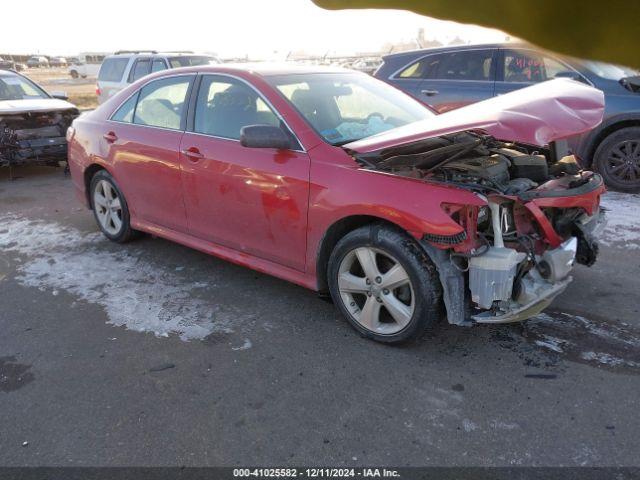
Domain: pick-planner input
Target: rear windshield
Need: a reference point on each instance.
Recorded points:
(112, 69)
(15, 87)
(192, 61)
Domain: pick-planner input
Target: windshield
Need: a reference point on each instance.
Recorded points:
(14, 87)
(610, 71)
(192, 61)
(346, 107)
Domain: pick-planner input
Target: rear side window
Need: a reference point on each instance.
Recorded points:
(158, 65)
(162, 102)
(125, 112)
(192, 61)
(140, 69)
(417, 69)
(462, 65)
(112, 69)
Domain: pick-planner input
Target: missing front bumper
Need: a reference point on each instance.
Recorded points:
(530, 309)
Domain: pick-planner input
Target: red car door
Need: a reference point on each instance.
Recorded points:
(254, 200)
(144, 143)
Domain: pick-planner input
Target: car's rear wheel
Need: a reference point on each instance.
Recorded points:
(110, 208)
(384, 284)
(617, 159)
(74, 74)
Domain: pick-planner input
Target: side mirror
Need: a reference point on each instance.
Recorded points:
(60, 95)
(264, 136)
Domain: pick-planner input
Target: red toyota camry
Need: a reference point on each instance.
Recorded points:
(336, 181)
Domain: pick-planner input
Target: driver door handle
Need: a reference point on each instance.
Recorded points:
(430, 93)
(192, 154)
(110, 137)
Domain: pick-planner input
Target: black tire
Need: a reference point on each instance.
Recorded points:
(617, 159)
(74, 74)
(125, 233)
(426, 290)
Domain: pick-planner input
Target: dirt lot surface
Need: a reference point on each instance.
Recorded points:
(153, 354)
(81, 91)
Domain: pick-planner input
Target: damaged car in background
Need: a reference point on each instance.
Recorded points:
(343, 184)
(33, 124)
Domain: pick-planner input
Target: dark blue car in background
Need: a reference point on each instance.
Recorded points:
(451, 77)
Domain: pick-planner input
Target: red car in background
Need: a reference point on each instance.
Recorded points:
(339, 182)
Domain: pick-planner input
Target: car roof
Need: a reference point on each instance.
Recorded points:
(267, 69)
(450, 48)
(150, 53)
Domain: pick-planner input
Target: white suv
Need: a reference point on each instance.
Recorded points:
(122, 68)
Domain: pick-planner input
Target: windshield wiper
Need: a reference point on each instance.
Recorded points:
(344, 142)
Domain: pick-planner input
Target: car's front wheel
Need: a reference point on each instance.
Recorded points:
(384, 284)
(110, 208)
(617, 159)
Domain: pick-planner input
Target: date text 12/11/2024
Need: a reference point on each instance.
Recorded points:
(315, 473)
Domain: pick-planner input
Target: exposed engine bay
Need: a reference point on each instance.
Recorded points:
(477, 162)
(35, 137)
(512, 255)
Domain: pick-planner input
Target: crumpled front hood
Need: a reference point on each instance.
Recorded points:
(11, 107)
(535, 115)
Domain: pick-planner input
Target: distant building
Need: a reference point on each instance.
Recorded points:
(419, 42)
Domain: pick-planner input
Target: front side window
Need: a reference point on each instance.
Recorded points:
(225, 105)
(531, 67)
(347, 107)
(15, 87)
(140, 69)
(162, 102)
(112, 69)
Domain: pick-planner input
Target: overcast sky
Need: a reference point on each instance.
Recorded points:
(260, 28)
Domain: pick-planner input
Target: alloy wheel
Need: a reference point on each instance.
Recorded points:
(108, 207)
(623, 161)
(376, 290)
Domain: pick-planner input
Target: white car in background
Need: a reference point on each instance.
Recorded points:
(87, 64)
(38, 62)
(125, 67)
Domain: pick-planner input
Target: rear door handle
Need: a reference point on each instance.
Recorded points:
(110, 137)
(192, 154)
(430, 93)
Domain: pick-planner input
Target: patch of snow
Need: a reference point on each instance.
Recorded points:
(499, 425)
(134, 294)
(468, 425)
(245, 346)
(623, 220)
(607, 359)
(551, 343)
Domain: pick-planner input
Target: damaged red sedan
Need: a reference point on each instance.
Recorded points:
(338, 182)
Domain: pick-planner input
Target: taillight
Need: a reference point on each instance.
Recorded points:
(98, 91)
